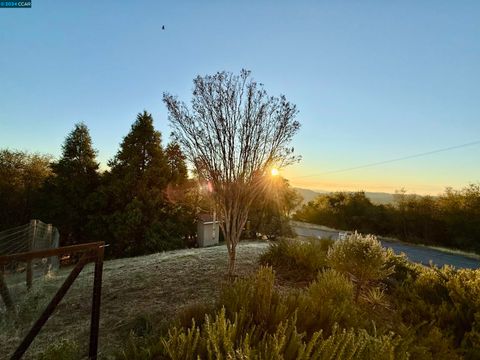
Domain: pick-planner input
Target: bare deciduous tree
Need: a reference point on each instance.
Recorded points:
(233, 133)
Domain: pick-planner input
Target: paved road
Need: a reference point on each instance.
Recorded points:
(420, 254)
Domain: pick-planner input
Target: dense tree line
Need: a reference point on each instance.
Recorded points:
(130, 206)
(21, 178)
(145, 202)
(451, 219)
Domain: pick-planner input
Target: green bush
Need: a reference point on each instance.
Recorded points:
(221, 338)
(362, 258)
(406, 311)
(297, 259)
(193, 313)
(329, 300)
(403, 269)
(257, 297)
(441, 304)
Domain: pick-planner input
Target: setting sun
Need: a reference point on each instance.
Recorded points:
(274, 172)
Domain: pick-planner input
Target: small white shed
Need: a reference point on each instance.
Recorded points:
(207, 230)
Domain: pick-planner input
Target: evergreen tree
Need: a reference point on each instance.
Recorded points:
(67, 192)
(140, 166)
(177, 166)
(141, 219)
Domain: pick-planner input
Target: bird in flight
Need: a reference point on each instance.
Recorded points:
(163, 27)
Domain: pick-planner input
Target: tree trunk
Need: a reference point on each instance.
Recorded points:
(232, 233)
(232, 253)
(234, 220)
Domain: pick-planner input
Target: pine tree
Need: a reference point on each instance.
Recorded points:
(136, 185)
(140, 164)
(75, 178)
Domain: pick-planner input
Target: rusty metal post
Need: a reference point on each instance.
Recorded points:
(96, 300)
(50, 308)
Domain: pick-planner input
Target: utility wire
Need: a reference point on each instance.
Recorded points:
(392, 160)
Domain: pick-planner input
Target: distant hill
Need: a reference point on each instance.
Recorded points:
(309, 195)
(375, 197)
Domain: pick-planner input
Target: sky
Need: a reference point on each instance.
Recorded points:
(373, 80)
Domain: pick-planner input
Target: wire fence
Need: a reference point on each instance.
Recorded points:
(24, 282)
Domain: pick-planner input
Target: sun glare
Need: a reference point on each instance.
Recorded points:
(274, 172)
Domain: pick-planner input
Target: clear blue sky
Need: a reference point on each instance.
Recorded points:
(373, 80)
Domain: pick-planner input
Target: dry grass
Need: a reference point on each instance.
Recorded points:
(153, 287)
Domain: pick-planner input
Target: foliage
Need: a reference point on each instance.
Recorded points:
(222, 338)
(327, 301)
(135, 209)
(22, 175)
(362, 258)
(434, 312)
(270, 213)
(255, 321)
(342, 210)
(232, 134)
(65, 196)
(450, 219)
(193, 312)
(177, 167)
(297, 259)
(143, 204)
(447, 298)
(256, 300)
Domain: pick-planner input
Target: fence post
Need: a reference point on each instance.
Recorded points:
(4, 293)
(55, 260)
(50, 246)
(97, 294)
(33, 227)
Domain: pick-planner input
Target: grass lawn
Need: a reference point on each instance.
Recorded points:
(154, 286)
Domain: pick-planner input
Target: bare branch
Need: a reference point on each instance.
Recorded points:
(232, 133)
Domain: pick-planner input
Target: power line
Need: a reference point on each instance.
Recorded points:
(392, 160)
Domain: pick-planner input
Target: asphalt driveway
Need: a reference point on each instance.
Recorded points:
(416, 253)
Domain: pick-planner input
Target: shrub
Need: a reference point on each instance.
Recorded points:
(403, 269)
(471, 341)
(257, 297)
(428, 314)
(296, 259)
(220, 338)
(362, 258)
(329, 300)
(193, 313)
